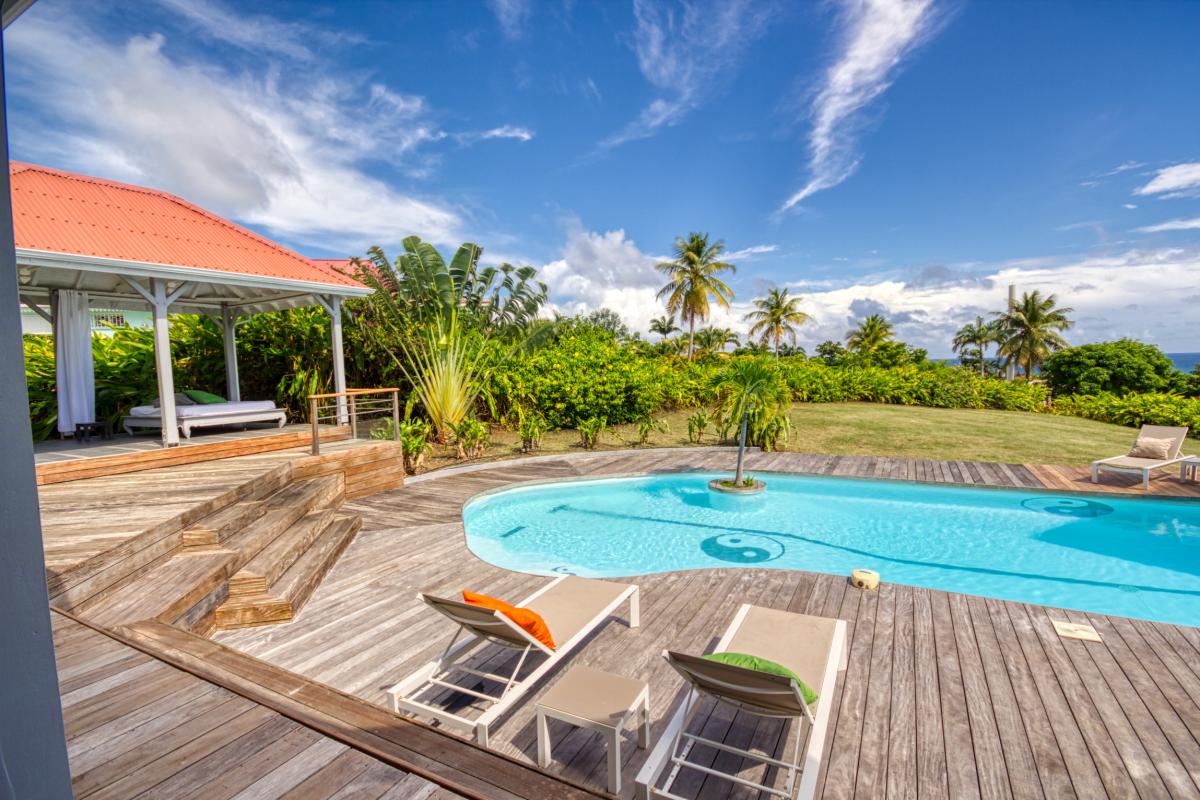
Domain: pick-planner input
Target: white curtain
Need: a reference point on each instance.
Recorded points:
(73, 360)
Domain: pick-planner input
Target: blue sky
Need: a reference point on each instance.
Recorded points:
(906, 157)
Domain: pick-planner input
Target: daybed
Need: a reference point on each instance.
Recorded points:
(190, 417)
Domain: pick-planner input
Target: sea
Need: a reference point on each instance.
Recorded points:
(1184, 362)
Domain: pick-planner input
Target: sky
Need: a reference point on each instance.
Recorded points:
(904, 157)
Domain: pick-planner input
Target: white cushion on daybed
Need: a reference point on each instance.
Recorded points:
(206, 409)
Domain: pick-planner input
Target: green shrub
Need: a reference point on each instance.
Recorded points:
(530, 428)
(697, 425)
(590, 431)
(471, 437)
(1133, 410)
(647, 427)
(1111, 368)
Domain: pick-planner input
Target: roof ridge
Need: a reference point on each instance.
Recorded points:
(22, 166)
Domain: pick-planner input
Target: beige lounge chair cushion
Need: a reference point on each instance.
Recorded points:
(1150, 447)
(571, 604)
(797, 641)
(567, 608)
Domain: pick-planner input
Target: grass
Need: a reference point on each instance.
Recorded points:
(877, 430)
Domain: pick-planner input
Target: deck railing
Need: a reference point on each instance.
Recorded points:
(369, 412)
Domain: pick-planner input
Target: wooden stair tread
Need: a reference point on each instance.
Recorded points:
(163, 592)
(288, 593)
(273, 560)
(215, 528)
(284, 508)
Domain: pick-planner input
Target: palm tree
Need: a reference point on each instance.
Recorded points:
(870, 333)
(1029, 329)
(664, 326)
(754, 391)
(976, 336)
(693, 281)
(776, 316)
(715, 340)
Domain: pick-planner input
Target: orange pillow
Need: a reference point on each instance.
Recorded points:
(531, 621)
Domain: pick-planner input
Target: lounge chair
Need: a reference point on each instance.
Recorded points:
(1131, 463)
(572, 608)
(814, 648)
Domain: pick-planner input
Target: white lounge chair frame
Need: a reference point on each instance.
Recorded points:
(1154, 431)
(436, 672)
(187, 424)
(668, 751)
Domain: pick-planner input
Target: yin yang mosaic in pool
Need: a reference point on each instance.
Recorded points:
(1115, 555)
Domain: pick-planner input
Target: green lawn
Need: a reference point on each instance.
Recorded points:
(883, 430)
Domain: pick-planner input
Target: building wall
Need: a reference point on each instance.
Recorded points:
(103, 320)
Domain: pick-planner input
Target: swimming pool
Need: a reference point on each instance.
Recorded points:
(1124, 556)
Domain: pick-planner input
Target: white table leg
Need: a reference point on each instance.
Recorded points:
(543, 739)
(614, 761)
(644, 727)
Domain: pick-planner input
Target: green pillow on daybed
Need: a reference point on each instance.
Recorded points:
(204, 398)
(746, 661)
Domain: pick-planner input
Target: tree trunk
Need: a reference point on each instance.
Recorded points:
(777, 344)
(691, 335)
(982, 362)
(737, 478)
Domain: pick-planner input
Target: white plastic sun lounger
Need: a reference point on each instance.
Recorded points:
(572, 607)
(1145, 466)
(815, 648)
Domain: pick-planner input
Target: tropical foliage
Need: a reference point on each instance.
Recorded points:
(447, 326)
(752, 395)
(776, 317)
(869, 335)
(1031, 329)
(972, 340)
(693, 280)
(1112, 368)
(1134, 410)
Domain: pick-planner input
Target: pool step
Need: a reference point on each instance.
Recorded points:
(254, 601)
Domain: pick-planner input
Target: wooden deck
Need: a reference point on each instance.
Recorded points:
(946, 695)
(139, 728)
(59, 461)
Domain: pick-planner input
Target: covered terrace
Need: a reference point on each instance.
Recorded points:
(83, 241)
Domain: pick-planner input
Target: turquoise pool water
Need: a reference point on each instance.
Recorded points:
(1129, 557)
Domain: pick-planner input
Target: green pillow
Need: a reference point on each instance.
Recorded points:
(204, 398)
(763, 665)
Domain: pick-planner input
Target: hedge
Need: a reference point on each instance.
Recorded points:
(1134, 410)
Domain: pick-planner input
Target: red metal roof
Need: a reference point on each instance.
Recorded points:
(64, 212)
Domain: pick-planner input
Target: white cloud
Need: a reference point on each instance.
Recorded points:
(748, 253)
(1129, 206)
(876, 37)
(511, 14)
(504, 132)
(927, 305)
(1180, 180)
(687, 52)
(282, 148)
(1172, 225)
(257, 33)
(1125, 167)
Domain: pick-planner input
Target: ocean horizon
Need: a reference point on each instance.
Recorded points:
(1184, 362)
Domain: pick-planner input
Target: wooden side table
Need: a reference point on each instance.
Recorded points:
(598, 701)
(1187, 468)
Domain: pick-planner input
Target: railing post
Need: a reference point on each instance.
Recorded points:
(353, 418)
(316, 435)
(396, 415)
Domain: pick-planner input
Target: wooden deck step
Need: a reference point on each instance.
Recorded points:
(165, 592)
(274, 559)
(288, 593)
(215, 528)
(284, 509)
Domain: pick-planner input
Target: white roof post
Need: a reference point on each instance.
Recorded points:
(160, 300)
(229, 320)
(339, 357)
